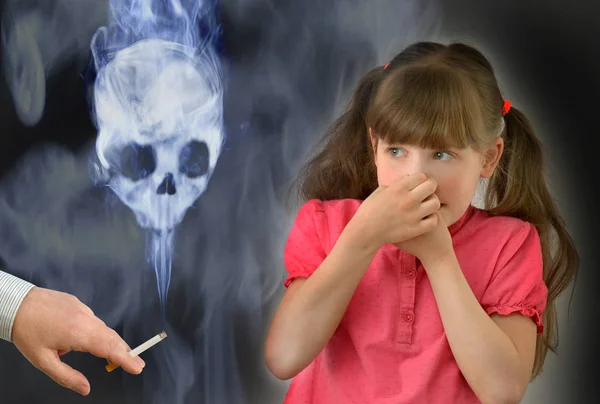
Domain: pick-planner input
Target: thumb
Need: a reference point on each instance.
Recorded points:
(63, 374)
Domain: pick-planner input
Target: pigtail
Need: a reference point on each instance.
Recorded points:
(343, 167)
(518, 188)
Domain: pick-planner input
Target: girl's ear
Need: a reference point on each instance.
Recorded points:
(491, 157)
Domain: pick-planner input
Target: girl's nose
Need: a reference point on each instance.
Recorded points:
(418, 165)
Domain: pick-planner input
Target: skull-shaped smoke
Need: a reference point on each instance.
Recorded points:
(158, 107)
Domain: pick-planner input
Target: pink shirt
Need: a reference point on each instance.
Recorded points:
(390, 347)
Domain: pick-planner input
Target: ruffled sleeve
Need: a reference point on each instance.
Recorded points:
(304, 251)
(516, 284)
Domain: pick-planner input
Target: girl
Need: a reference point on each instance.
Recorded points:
(399, 290)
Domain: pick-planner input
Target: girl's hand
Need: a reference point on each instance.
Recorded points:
(397, 212)
(432, 246)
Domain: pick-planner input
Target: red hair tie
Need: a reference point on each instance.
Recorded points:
(505, 107)
(386, 65)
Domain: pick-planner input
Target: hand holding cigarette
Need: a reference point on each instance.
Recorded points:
(50, 324)
(135, 352)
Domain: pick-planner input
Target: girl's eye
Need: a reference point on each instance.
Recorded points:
(442, 155)
(396, 151)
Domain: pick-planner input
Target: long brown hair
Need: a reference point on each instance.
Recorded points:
(435, 95)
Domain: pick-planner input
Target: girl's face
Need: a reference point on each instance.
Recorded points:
(457, 171)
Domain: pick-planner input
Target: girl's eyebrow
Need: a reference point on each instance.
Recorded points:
(445, 148)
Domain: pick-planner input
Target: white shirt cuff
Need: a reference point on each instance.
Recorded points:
(12, 292)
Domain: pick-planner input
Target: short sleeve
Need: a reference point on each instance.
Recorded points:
(304, 251)
(517, 284)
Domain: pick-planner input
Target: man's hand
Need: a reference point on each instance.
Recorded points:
(49, 324)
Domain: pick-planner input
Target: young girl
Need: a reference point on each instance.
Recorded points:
(399, 290)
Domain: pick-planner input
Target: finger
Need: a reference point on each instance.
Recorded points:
(63, 374)
(430, 205)
(108, 344)
(424, 190)
(428, 223)
(413, 180)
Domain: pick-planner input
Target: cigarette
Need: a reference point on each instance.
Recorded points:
(138, 350)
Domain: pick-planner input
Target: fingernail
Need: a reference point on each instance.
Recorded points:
(141, 364)
(84, 390)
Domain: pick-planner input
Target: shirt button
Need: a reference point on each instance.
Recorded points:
(411, 274)
(408, 317)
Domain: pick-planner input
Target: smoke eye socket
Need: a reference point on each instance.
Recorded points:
(137, 162)
(193, 159)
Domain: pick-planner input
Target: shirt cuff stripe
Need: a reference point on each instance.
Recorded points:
(12, 292)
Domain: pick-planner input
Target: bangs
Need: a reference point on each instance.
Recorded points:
(434, 107)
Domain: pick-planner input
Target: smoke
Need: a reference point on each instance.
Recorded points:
(287, 69)
(38, 39)
(158, 107)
